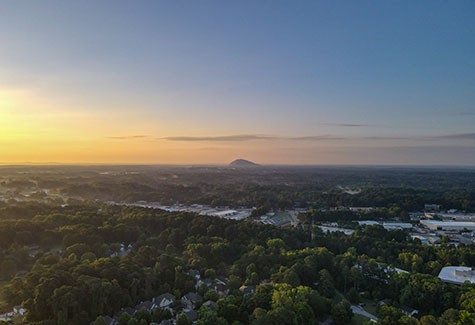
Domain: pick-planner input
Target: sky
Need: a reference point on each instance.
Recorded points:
(206, 82)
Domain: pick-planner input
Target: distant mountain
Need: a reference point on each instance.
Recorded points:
(243, 163)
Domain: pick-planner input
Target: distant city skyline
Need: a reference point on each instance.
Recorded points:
(312, 82)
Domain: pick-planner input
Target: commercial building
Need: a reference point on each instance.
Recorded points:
(448, 225)
(368, 223)
(397, 225)
(457, 274)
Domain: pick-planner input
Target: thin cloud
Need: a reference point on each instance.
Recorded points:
(317, 138)
(462, 136)
(322, 137)
(251, 137)
(127, 137)
(347, 125)
(241, 137)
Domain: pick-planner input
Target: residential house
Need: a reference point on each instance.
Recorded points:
(207, 282)
(191, 314)
(221, 289)
(128, 310)
(221, 280)
(148, 305)
(191, 300)
(210, 304)
(19, 310)
(408, 311)
(194, 273)
(247, 290)
(165, 301)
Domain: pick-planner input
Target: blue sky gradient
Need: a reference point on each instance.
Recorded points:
(372, 75)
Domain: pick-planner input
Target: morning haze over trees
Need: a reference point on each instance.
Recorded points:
(88, 244)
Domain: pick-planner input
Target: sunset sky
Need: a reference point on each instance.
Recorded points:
(276, 82)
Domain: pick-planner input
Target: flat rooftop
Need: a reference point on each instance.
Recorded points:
(451, 223)
(457, 274)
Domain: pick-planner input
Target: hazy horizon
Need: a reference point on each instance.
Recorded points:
(308, 83)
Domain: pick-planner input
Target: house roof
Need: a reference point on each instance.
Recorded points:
(248, 289)
(220, 287)
(210, 304)
(128, 310)
(109, 320)
(193, 297)
(191, 314)
(146, 304)
(166, 322)
(222, 279)
(408, 309)
(167, 296)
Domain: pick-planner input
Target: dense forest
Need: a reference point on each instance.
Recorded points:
(272, 187)
(67, 265)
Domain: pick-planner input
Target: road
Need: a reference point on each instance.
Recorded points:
(358, 310)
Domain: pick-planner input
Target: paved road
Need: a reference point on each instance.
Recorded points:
(358, 310)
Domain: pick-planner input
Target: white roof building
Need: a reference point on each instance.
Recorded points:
(457, 274)
(396, 225)
(368, 223)
(448, 225)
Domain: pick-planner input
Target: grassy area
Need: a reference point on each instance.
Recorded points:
(359, 319)
(371, 308)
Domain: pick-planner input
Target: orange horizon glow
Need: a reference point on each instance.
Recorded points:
(36, 128)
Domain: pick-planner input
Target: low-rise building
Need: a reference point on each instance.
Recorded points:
(397, 225)
(368, 223)
(409, 311)
(448, 225)
(164, 301)
(457, 274)
(191, 300)
(247, 290)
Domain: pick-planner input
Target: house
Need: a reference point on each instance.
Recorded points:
(247, 290)
(164, 301)
(5, 317)
(221, 280)
(386, 301)
(191, 314)
(408, 311)
(221, 289)
(207, 282)
(194, 273)
(210, 304)
(148, 305)
(127, 310)
(19, 311)
(166, 322)
(191, 300)
(108, 321)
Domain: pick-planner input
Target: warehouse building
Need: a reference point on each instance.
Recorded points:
(457, 274)
(448, 225)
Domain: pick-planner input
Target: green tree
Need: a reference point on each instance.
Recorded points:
(342, 313)
(100, 321)
(183, 320)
